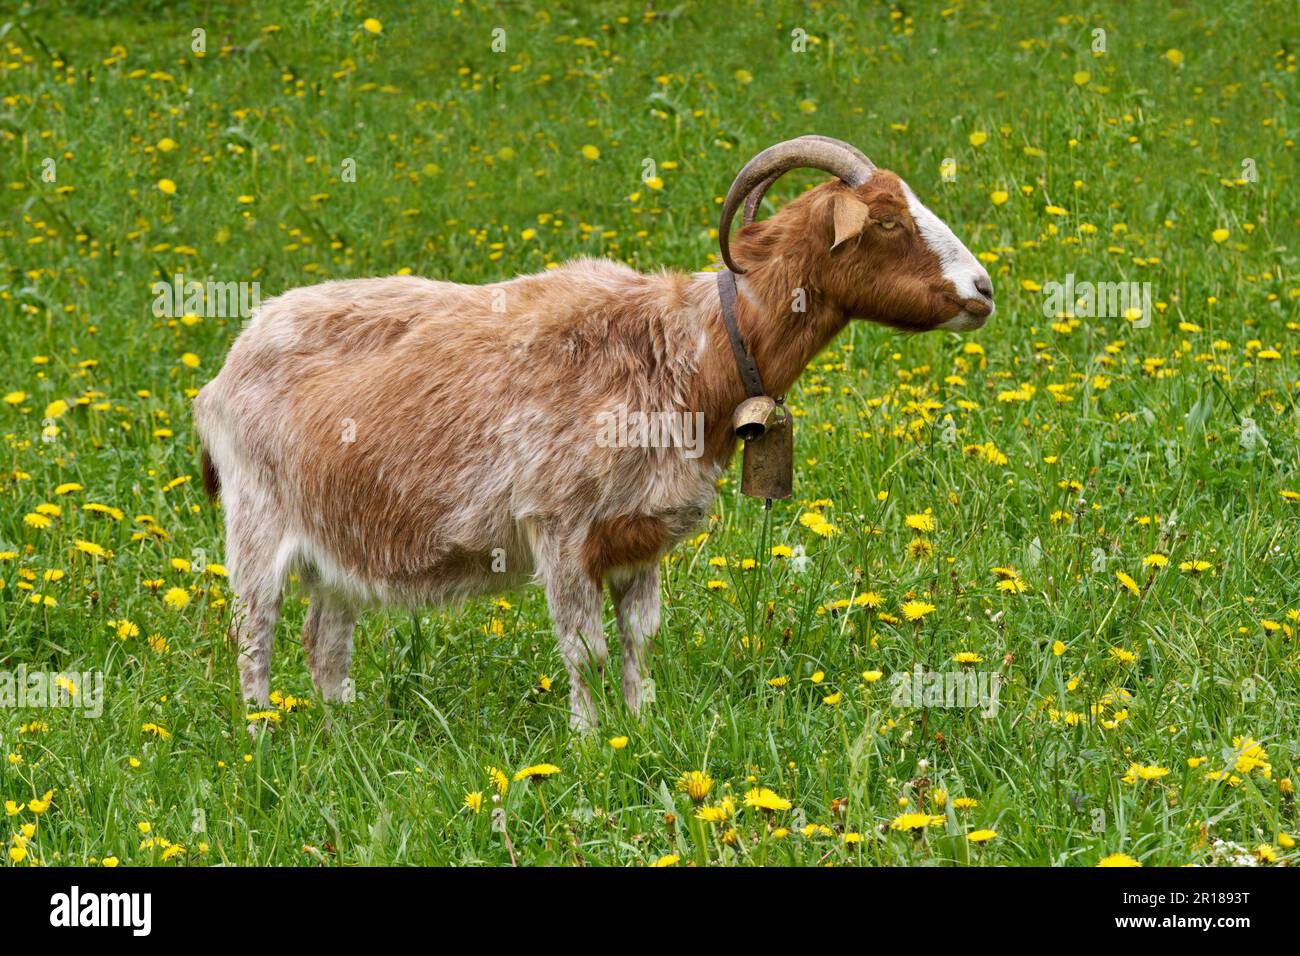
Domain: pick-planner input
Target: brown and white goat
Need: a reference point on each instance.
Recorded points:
(405, 441)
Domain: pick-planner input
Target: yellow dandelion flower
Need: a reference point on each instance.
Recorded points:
(761, 798)
(718, 813)
(1128, 583)
(40, 806)
(696, 784)
(1118, 859)
(914, 821)
(916, 610)
(90, 548)
(923, 523)
(537, 772)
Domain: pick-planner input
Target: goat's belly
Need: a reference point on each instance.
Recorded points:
(379, 580)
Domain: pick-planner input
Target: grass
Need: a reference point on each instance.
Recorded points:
(1069, 450)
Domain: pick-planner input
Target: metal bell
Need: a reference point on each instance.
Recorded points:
(767, 469)
(751, 417)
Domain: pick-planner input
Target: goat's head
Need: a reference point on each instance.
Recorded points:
(878, 253)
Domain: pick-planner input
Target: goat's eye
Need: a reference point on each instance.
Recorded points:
(888, 223)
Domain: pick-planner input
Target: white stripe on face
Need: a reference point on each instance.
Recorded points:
(959, 266)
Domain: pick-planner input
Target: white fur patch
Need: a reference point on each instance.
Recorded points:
(963, 322)
(960, 267)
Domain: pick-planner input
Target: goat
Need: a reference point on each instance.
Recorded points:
(403, 441)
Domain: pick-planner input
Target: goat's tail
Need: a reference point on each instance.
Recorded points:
(211, 480)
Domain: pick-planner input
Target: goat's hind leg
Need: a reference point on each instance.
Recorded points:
(327, 643)
(257, 576)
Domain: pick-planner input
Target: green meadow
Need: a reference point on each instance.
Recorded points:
(1091, 508)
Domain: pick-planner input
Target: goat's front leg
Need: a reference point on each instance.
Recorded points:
(575, 603)
(636, 603)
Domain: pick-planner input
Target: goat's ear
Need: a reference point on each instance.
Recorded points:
(851, 214)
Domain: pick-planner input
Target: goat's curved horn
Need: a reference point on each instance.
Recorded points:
(813, 152)
(755, 197)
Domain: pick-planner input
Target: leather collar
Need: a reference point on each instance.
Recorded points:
(745, 363)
